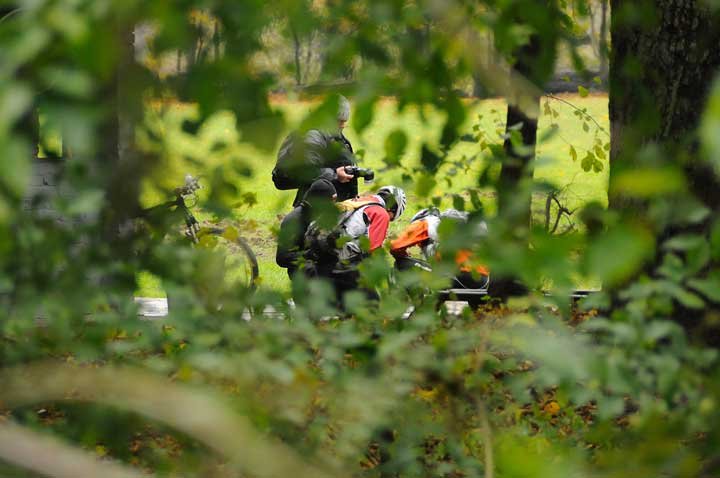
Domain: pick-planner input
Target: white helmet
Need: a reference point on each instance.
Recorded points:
(424, 213)
(398, 195)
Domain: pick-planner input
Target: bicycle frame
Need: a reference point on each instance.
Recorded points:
(163, 220)
(192, 226)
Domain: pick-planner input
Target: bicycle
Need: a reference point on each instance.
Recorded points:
(236, 259)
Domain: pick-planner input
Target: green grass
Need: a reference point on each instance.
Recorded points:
(182, 153)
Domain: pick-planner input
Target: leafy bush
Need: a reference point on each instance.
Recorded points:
(624, 382)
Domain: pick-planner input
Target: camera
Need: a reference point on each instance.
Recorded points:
(367, 174)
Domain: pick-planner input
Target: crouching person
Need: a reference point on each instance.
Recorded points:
(318, 200)
(422, 232)
(360, 230)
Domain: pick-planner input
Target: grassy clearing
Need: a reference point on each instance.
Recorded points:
(219, 144)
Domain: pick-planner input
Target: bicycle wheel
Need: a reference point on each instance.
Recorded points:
(240, 264)
(224, 271)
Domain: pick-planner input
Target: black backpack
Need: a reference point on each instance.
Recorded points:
(287, 159)
(336, 246)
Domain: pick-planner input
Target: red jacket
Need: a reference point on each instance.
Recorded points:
(378, 221)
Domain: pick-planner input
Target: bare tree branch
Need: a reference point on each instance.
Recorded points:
(187, 409)
(49, 456)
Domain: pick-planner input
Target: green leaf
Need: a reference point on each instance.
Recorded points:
(582, 91)
(324, 116)
(599, 152)
(684, 242)
(672, 267)
(430, 160)
(424, 185)
(597, 166)
(475, 200)
(715, 241)
(363, 115)
(688, 299)
(573, 153)
(658, 329)
(588, 161)
(395, 145)
(710, 127)
(709, 287)
(16, 166)
(69, 81)
(458, 202)
(15, 99)
(87, 202)
(648, 182)
(618, 253)
(698, 257)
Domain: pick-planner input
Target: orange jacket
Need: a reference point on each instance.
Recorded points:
(416, 233)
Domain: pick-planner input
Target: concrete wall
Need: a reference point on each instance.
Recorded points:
(44, 185)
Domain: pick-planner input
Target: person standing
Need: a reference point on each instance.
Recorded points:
(321, 153)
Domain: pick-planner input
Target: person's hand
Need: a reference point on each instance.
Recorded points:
(342, 176)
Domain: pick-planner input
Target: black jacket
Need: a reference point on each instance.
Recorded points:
(323, 153)
(291, 237)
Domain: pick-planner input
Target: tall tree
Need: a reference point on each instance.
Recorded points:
(664, 57)
(535, 60)
(602, 44)
(662, 64)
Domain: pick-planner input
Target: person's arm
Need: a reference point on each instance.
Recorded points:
(415, 234)
(327, 157)
(378, 219)
(315, 145)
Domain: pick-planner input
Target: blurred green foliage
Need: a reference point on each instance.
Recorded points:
(538, 386)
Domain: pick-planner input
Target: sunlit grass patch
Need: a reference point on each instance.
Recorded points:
(218, 145)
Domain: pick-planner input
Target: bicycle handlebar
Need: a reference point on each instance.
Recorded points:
(191, 185)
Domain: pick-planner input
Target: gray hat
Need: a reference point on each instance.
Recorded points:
(343, 108)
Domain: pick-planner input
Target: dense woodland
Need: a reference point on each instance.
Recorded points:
(623, 382)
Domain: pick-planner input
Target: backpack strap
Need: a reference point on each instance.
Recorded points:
(348, 213)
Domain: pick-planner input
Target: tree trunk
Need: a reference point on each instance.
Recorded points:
(514, 199)
(661, 72)
(603, 40)
(308, 55)
(535, 61)
(216, 41)
(661, 69)
(478, 90)
(123, 166)
(297, 46)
